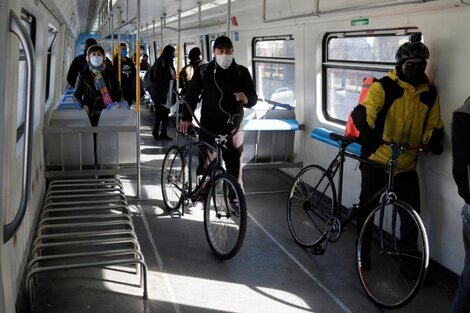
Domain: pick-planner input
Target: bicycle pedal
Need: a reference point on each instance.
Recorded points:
(175, 213)
(318, 250)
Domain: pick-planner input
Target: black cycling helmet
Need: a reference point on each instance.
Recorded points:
(412, 49)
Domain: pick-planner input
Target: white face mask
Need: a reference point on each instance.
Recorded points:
(96, 60)
(224, 60)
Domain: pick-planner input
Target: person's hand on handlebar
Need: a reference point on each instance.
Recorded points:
(241, 97)
(184, 126)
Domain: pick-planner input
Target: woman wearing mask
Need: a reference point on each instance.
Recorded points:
(163, 79)
(96, 85)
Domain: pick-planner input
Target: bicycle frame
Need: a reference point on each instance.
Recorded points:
(386, 191)
(214, 167)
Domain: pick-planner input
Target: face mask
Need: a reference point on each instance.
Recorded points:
(124, 52)
(414, 72)
(414, 76)
(96, 60)
(224, 60)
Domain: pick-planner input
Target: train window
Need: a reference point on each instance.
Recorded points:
(274, 68)
(52, 34)
(350, 57)
(30, 24)
(187, 47)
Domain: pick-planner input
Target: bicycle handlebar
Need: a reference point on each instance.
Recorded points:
(205, 130)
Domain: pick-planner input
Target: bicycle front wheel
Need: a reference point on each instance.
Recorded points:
(392, 254)
(173, 178)
(311, 203)
(225, 216)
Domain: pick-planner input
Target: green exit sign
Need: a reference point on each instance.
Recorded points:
(360, 21)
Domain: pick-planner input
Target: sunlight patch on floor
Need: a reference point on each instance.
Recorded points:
(221, 296)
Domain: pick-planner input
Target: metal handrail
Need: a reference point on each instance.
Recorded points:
(17, 27)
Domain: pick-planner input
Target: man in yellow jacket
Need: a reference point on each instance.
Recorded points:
(401, 107)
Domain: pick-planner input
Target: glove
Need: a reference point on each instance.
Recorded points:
(369, 140)
(437, 148)
(435, 141)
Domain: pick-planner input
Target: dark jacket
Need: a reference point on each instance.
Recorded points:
(86, 92)
(76, 67)
(128, 73)
(220, 111)
(160, 76)
(461, 151)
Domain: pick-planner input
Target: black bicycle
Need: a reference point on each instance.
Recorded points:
(392, 250)
(225, 214)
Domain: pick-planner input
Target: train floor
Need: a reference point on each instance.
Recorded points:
(270, 273)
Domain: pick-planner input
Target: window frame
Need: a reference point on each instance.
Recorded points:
(30, 19)
(50, 77)
(376, 66)
(264, 59)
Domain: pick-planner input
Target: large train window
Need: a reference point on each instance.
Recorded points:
(348, 58)
(274, 68)
(30, 23)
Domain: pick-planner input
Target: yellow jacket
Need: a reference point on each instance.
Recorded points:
(411, 118)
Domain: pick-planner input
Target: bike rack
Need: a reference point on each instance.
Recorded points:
(84, 223)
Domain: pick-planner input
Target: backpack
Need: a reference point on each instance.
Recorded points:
(351, 129)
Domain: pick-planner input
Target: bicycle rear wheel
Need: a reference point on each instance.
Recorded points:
(225, 216)
(311, 203)
(392, 254)
(173, 178)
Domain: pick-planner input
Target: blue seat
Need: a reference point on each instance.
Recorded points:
(271, 124)
(68, 105)
(67, 98)
(323, 135)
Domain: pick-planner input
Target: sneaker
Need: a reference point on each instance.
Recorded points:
(196, 207)
(235, 208)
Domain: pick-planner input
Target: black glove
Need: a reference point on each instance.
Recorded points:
(369, 140)
(437, 148)
(435, 141)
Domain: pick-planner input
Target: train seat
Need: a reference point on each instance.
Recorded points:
(66, 149)
(117, 147)
(323, 134)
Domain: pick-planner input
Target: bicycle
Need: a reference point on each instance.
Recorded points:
(225, 213)
(396, 269)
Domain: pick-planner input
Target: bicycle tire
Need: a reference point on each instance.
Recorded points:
(225, 231)
(391, 271)
(173, 178)
(311, 203)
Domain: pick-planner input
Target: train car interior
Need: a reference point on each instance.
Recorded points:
(96, 216)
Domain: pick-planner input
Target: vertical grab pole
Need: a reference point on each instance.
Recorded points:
(178, 62)
(17, 27)
(137, 99)
(229, 6)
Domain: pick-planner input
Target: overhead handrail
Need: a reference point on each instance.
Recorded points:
(17, 27)
(317, 12)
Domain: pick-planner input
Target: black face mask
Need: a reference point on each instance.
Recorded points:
(414, 73)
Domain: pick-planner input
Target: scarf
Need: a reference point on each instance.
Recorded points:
(100, 84)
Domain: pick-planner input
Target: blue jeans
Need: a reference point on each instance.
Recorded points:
(462, 297)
